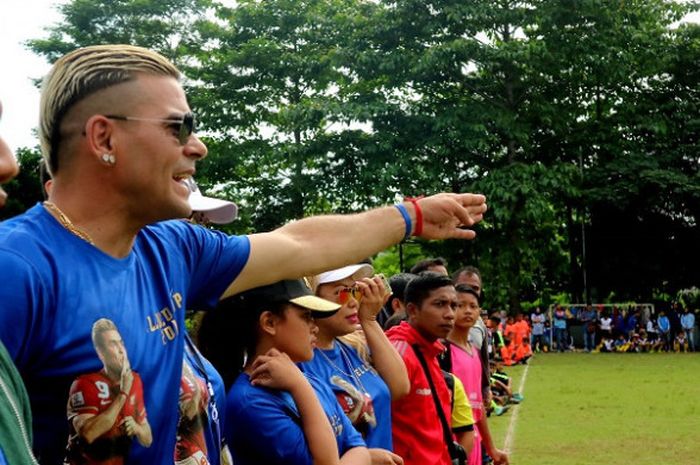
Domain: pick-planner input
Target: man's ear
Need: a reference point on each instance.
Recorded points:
(411, 310)
(396, 306)
(98, 133)
(268, 322)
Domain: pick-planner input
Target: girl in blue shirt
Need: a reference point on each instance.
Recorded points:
(274, 414)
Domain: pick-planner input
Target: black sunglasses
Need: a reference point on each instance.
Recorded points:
(185, 129)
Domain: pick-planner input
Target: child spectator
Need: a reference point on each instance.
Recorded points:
(502, 384)
(462, 359)
(644, 344)
(520, 340)
(275, 414)
(656, 344)
(547, 335)
(588, 319)
(607, 344)
(396, 302)
(632, 323)
(618, 321)
(621, 344)
(537, 318)
(680, 344)
(688, 325)
(605, 326)
(560, 329)
(635, 343)
(652, 330)
(498, 349)
(664, 325)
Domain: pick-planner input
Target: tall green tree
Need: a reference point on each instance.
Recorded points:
(25, 190)
(166, 26)
(468, 122)
(274, 93)
(575, 116)
(628, 109)
(527, 101)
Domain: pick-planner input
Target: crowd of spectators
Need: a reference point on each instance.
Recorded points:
(393, 364)
(614, 328)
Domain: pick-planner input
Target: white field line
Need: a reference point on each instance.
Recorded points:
(508, 445)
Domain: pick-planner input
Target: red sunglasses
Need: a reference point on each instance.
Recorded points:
(345, 293)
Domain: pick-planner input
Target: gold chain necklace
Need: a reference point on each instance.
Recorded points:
(68, 224)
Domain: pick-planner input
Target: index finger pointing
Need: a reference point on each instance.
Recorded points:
(473, 208)
(467, 200)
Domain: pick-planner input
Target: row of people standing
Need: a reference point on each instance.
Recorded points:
(597, 324)
(96, 281)
(389, 387)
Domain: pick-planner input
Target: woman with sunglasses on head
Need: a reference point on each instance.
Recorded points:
(354, 357)
(275, 414)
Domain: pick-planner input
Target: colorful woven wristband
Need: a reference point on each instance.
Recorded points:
(419, 215)
(406, 218)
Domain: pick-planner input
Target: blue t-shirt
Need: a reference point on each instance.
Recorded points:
(213, 421)
(340, 374)
(560, 320)
(263, 426)
(55, 286)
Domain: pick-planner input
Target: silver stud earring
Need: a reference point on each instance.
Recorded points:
(109, 158)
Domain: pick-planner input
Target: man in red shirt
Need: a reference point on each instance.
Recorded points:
(418, 435)
(106, 409)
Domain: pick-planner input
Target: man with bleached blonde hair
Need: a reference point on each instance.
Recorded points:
(119, 139)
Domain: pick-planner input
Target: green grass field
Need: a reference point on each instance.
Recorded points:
(607, 409)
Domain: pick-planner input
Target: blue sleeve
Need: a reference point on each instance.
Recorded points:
(215, 260)
(23, 298)
(3, 460)
(257, 422)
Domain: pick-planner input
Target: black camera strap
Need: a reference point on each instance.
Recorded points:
(445, 426)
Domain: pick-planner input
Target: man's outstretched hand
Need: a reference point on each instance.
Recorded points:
(448, 216)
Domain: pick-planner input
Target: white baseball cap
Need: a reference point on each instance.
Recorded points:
(213, 210)
(359, 271)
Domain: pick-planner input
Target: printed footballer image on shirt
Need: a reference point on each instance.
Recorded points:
(191, 446)
(106, 411)
(357, 405)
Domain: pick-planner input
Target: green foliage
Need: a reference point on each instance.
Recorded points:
(26, 189)
(576, 118)
(391, 260)
(689, 298)
(163, 25)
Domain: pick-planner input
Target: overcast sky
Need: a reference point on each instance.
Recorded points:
(20, 100)
(19, 22)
